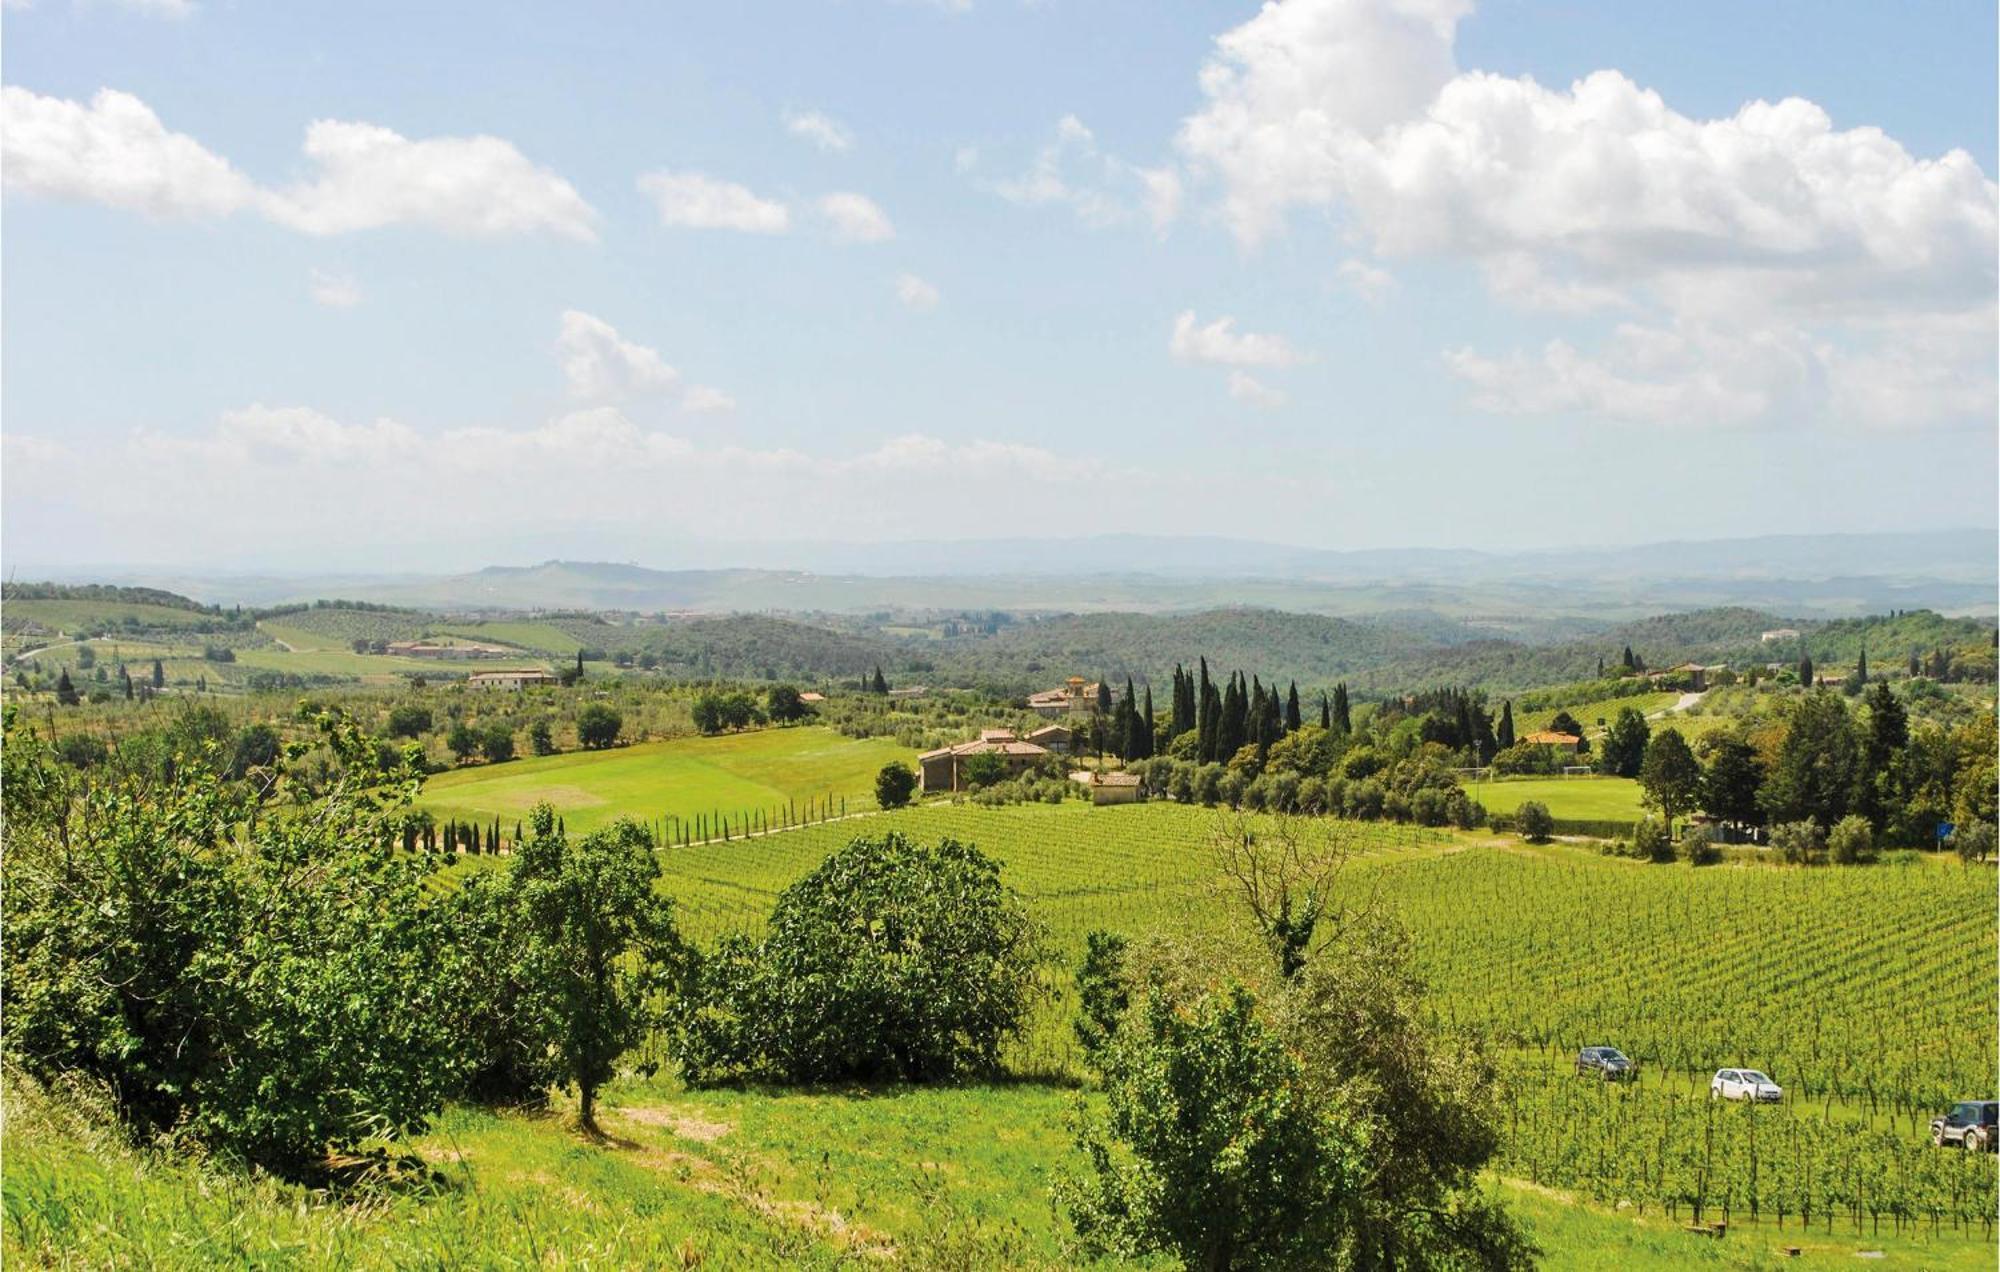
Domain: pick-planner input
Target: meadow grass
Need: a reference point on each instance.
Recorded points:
(681, 777)
(71, 616)
(1589, 713)
(1588, 798)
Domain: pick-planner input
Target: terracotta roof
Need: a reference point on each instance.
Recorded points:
(1049, 731)
(996, 735)
(1549, 738)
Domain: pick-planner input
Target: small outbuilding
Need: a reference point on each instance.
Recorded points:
(1108, 788)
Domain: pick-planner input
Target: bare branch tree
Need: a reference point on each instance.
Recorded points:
(1286, 873)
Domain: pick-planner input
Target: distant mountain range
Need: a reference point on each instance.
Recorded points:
(1543, 594)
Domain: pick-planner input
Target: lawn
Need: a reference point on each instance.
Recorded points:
(1573, 798)
(1588, 714)
(682, 777)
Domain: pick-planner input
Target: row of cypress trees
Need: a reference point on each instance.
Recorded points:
(1242, 713)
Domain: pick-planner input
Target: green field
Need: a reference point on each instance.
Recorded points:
(1572, 798)
(1589, 713)
(682, 777)
(73, 616)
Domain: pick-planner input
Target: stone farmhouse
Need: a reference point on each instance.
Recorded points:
(944, 768)
(516, 679)
(1076, 696)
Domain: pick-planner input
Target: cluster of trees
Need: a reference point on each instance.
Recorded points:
(720, 710)
(1819, 763)
(1242, 713)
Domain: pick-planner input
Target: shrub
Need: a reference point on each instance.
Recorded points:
(894, 785)
(256, 747)
(1973, 843)
(892, 960)
(1799, 843)
(1651, 841)
(82, 750)
(1697, 846)
(541, 738)
(1534, 821)
(1101, 992)
(409, 720)
(1851, 842)
(496, 743)
(598, 726)
(217, 977)
(464, 743)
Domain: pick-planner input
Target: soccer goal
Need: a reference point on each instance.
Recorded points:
(1577, 770)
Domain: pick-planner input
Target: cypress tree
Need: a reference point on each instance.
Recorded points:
(1805, 670)
(65, 691)
(1343, 720)
(1292, 719)
(1861, 668)
(579, 664)
(159, 675)
(1504, 737)
(1146, 727)
(128, 684)
(1631, 664)
(880, 685)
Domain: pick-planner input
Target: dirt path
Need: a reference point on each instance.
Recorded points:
(1681, 704)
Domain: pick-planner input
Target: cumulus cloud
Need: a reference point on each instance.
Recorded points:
(600, 364)
(827, 133)
(703, 399)
(1768, 228)
(916, 293)
(693, 201)
(1370, 282)
(1247, 388)
(335, 291)
(115, 151)
(1221, 344)
(855, 218)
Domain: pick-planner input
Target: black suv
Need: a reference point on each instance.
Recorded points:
(1608, 1063)
(1969, 1125)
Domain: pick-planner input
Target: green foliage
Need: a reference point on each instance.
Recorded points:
(1534, 821)
(1799, 843)
(1973, 843)
(1669, 775)
(82, 750)
(256, 748)
(1815, 771)
(1851, 841)
(496, 743)
(598, 939)
(598, 726)
(541, 738)
(783, 705)
(1101, 992)
(409, 720)
(892, 960)
(1624, 750)
(983, 768)
(215, 970)
(895, 784)
(1651, 840)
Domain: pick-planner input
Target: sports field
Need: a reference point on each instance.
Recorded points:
(1587, 798)
(758, 770)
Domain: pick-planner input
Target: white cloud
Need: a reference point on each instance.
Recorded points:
(1768, 228)
(1220, 343)
(1245, 387)
(115, 151)
(916, 293)
(821, 130)
(702, 399)
(335, 291)
(855, 218)
(601, 365)
(692, 201)
(1370, 282)
(1101, 190)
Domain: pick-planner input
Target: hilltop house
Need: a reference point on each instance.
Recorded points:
(944, 768)
(1075, 696)
(516, 679)
(1777, 634)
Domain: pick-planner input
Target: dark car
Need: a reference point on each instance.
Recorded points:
(1969, 1125)
(1608, 1063)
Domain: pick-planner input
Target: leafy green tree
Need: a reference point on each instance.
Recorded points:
(257, 747)
(1101, 990)
(1731, 780)
(1669, 776)
(541, 738)
(598, 726)
(894, 785)
(892, 960)
(1625, 743)
(409, 720)
(82, 750)
(983, 768)
(1815, 771)
(214, 971)
(783, 704)
(1534, 821)
(1880, 781)
(463, 741)
(1973, 843)
(496, 743)
(1799, 843)
(1652, 841)
(65, 691)
(600, 938)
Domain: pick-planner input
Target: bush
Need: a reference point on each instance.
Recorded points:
(409, 721)
(1101, 993)
(1534, 821)
(1973, 843)
(598, 726)
(82, 750)
(496, 743)
(1799, 843)
(464, 743)
(1697, 846)
(256, 747)
(541, 738)
(1651, 841)
(217, 977)
(894, 785)
(1851, 842)
(892, 960)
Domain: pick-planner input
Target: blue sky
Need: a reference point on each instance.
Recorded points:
(1347, 273)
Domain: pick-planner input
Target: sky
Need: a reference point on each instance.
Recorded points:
(387, 286)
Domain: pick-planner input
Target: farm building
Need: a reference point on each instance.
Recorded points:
(943, 769)
(1053, 737)
(1559, 741)
(1108, 788)
(519, 678)
(1696, 675)
(446, 649)
(1777, 634)
(1075, 695)
(810, 696)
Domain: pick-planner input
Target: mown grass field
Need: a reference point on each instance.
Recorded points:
(74, 616)
(1589, 713)
(1578, 798)
(682, 777)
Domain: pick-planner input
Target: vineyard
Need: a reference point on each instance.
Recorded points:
(1865, 992)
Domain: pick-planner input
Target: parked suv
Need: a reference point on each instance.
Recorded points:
(1970, 1125)
(1608, 1063)
(1744, 1084)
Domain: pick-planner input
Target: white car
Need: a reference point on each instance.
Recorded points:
(1744, 1084)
